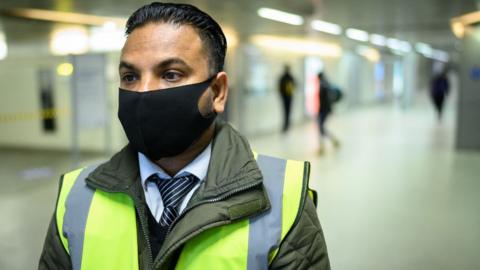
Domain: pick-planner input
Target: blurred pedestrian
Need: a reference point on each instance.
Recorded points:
(439, 91)
(286, 87)
(328, 95)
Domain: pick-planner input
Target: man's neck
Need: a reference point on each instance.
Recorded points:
(172, 165)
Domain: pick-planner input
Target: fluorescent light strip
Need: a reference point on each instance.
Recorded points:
(71, 40)
(424, 49)
(370, 54)
(440, 55)
(393, 44)
(469, 18)
(3, 46)
(295, 45)
(460, 24)
(427, 51)
(326, 27)
(357, 34)
(405, 46)
(397, 45)
(63, 17)
(280, 16)
(458, 29)
(378, 40)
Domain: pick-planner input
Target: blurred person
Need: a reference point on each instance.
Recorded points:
(328, 95)
(286, 87)
(187, 192)
(439, 89)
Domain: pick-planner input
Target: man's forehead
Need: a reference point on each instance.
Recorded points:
(155, 43)
(154, 35)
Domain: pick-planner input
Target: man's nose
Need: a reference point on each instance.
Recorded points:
(148, 83)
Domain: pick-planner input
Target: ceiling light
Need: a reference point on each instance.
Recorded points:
(424, 49)
(469, 18)
(393, 43)
(63, 17)
(280, 16)
(370, 54)
(460, 24)
(458, 29)
(431, 53)
(440, 55)
(72, 40)
(357, 34)
(300, 46)
(3, 46)
(399, 46)
(405, 46)
(65, 69)
(378, 40)
(326, 27)
(106, 38)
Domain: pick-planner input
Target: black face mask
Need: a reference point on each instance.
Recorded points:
(163, 123)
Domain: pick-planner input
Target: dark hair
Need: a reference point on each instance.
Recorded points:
(210, 32)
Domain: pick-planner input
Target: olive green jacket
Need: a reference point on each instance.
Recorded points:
(233, 181)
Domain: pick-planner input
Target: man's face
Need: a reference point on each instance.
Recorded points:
(162, 55)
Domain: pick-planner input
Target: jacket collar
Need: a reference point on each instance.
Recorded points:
(232, 167)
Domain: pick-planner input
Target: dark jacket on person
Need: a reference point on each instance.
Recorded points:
(325, 101)
(232, 166)
(439, 86)
(286, 85)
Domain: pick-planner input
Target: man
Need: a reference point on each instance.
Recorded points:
(187, 192)
(286, 87)
(439, 89)
(326, 103)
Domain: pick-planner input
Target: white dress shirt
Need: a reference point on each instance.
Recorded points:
(198, 167)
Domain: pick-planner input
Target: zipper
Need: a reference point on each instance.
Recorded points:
(213, 200)
(145, 234)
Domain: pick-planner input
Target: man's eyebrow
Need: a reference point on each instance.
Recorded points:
(162, 65)
(173, 61)
(126, 65)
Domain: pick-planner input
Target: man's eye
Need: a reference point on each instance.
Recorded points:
(129, 77)
(171, 76)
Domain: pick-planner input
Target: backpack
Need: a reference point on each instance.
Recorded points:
(334, 94)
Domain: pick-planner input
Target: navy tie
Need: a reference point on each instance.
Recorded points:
(173, 191)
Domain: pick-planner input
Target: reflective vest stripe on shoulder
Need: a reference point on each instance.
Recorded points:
(87, 243)
(245, 244)
(252, 244)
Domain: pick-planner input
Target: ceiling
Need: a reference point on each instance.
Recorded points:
(411, 20)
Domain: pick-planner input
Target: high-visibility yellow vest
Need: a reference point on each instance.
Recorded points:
(99, 229)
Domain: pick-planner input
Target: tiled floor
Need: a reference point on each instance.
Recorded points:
(395, 195)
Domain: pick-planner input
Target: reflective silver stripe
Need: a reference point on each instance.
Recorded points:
(77, 207)
(266, 230)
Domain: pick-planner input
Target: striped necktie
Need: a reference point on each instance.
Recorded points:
(173, 190)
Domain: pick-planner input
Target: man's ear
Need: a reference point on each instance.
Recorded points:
(220, 92)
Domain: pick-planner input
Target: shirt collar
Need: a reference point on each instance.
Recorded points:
(198, 166)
